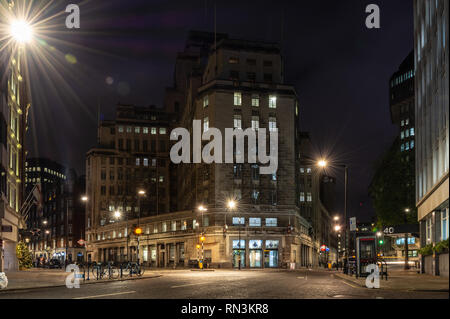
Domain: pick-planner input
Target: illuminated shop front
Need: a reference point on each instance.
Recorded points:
(238, 253)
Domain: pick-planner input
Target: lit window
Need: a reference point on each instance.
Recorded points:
(138, 161)
(444, 224)
(402, 123)
(162, 131)
(145, 130)
(145, 161)
(255, 100)
(402, 135)
(233, 60)
(120, 129)
(238, 220)
(255, 123)
(302, 196)
(205, 101)
(272, 102)
(205, 124)
(407, 122)
(272, 124)
(271, 222)
(237, 98)
(153, 131)
(411, 131)
(412, 144)
(402, 148)
(302, 170)
(308, 170)
(137, 130)
(309, 197)
(128, 129)
(254, 222)
(237, 121)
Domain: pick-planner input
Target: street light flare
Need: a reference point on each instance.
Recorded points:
(322, 163)
(231, 204)
(21, 31)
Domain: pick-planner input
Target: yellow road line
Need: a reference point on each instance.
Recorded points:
(107, 295)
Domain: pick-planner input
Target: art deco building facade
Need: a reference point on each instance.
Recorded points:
(230, 84)
(431, 21)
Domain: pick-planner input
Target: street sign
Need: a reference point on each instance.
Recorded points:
(81, 242)
(353, 224)
(401, 229)
(7, 229)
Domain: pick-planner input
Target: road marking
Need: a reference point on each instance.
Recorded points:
(187, 285)
(350, 284)
(301, 277)
(107, 295)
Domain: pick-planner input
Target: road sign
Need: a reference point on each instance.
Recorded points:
(81, 242)
(353, 224)
(7, 229)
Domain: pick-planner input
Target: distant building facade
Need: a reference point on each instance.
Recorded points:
(55, 228)
(228, 84)
(431, 21)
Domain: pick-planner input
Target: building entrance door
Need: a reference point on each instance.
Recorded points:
(236, 258)
(255, 258)
(162, 259)
(270, 258)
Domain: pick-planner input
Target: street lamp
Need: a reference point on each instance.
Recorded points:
(232, 206)
(117, 214)
(21, 31)
(337, 228)
(84, 198)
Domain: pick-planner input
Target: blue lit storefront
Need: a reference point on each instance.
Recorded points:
(256, 253)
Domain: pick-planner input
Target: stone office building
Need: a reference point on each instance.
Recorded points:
(230, 84)
(14, 107)
(431, 20)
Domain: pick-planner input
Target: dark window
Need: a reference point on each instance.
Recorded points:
(136, 145)
(145, 146)
(267, 77)
(267, 63)
(234, 75)
(251, 61)
(251, 76)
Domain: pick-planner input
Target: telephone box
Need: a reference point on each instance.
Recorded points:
(366, 254)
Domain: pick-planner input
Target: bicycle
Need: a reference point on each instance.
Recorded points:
(133, 269)
(100, 271)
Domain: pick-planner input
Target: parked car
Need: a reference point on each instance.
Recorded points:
(54, 263)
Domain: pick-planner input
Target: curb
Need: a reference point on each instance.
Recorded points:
(340, 276)
(202, 270)
(90, 282)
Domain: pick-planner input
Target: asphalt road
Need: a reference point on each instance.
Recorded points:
(225, 284)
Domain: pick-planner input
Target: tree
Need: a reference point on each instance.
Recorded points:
(393, 187)
(24, 256)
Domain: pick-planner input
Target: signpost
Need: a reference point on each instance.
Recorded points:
(353, 224)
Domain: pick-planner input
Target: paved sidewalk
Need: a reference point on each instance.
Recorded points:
(45, 278)
(404, 280)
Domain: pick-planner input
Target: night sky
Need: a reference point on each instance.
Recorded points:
(339, 68)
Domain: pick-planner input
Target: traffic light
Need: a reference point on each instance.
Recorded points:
(198, 246)
(138, 231)
(381, 242)
(202, 238)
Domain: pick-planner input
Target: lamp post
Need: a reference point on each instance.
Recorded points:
(407, 210)
(202, 209)
(232, 206)
(141, 193)
(323, 163)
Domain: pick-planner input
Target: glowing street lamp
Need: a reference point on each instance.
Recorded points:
(117, 214)
(84, 198)
(336, 218)
(337, 228)
(21, 31)
(231, 204)
(322, 163)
